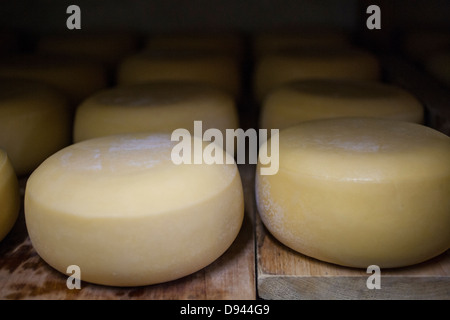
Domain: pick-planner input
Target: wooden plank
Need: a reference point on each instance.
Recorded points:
(24, 275)
(285, 274)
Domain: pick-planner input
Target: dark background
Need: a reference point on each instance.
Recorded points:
(42, 16)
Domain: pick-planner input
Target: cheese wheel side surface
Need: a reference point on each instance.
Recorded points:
(9, 195)
(120, 209)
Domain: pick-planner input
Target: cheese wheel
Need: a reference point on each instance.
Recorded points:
(214, 43)
(107, 48)
(154, 107)
(312, 99)
(359, 192)
(266, 42)
(277, 68)
(9, 195)
(35, 122)
(438, 65)
(76, 78)
(219, 70)
(126, 215)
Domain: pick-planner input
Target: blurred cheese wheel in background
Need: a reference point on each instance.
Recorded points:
(438, 65)
(267, 42)
(214, 43)
(9, 195)
(277, 68)
(76, 78)
(154, 107)
(107, 48)
(218, 70)
(305, 100)
(121, 210)
(360, 191)
(34, 122)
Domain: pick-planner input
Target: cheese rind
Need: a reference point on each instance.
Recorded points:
(35, 122)
(9, 196)
(280, 67)
(154, 107)
(305, 100)
(120, 209)
(357, 192)
(220, 70)
(76, 78)
(215, 43)
(107, 48)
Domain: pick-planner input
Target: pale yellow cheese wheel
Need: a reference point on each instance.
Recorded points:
(438, 65)
(119, 209)
(208, 42)
(360, 191)
(265, 42)
(312, 99)
(35, 122)
(9, 195)
(154, 107)
(77, 78)
(277, 68)
(108, 48)
(220, 70)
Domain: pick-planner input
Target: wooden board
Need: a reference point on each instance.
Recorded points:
(286, 274)
(24, 275)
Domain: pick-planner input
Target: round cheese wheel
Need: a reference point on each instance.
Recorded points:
(277, 68)
(35, 122)
(360, 191)
(266, 42)
(107, 48)
(214, 43)
(154, 107)
(312, 99)
(121, 210)
(219, 70)
(9, 195)
(76, 78)
(438, 65)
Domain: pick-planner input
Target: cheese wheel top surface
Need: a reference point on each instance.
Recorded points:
(75, 77)
(125, 165)
(18, 91)
(220, 70)
(275, 41)
(344, 89)
(154, 107)
(109, 47)
(312, 99)
(364, 149)
(214, 43)
(155, 94)
(277, 68)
